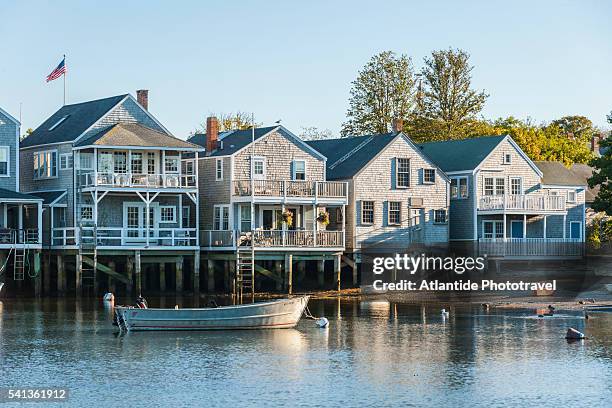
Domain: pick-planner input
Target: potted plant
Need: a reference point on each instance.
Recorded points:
(287, 218)
(323, 218)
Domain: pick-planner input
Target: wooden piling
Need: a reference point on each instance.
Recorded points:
(61, 274)
(321, 273)
(79, 274)
(196, 273)
(178, 276)
(162, 277)
(138, 268)
(129, 269)
(38, 273)
(111, 282)
(46, 271)
(289, 272)
(337, 269)
(210, 276)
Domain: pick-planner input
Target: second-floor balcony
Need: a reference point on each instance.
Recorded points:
(10, 237)
(274, 239)
(129, 180)
(113, 237)
(524, 203)
(293, 189)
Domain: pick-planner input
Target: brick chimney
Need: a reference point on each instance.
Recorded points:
(212, 134)
(397, 125)
(142, 96)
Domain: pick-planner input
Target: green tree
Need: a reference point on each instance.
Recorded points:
(27, 133)
(449, 105)
(602, 176)
(230, 121)
(383, 91)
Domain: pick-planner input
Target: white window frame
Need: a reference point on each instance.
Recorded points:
(218, 169)
(88, 206)
(398, 210)
(66, 161)
(90, 157)
(520, 179)
(263, 161)
(494, 228)
(161, 214)
(363, 211)
(433, 181)
(574, 194)
(445, 216)
(507, 158)
(248, 210)
(223, 209)
(43, 153)
(397, 172)
(467, 188)
(170, 158)
(294, 170)
(495, 185)
(7, 149)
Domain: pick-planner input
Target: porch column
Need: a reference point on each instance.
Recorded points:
(544, 227)
(564, 220)
(138, 266)
(39, 208)
(524, 225)
(504, 224)
(343, 225)
(162, 277)
(314, 223)
(147, 218)
(284, 225)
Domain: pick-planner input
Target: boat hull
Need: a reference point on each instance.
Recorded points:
(276, 314)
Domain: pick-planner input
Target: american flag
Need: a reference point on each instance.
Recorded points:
(58, 72)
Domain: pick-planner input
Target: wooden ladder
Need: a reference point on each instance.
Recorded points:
(19, 260)
(245, 272)
(87, 249)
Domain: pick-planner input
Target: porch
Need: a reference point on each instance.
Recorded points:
(273, 239)
(291, 189)
(20, 220)
(531, 247)
(540, 203)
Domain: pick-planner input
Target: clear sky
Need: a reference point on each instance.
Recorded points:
(295, 60)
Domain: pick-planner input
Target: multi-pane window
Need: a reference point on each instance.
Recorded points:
(120, 162)
(440, 216)
(429, 176)
(221, 221)
(167, 214)
(219, 169)
(171, 164)
(86, 161)
(493, 229)
(489, 186)
(136, 164)
(571, 196)
(150, 162)
(245, 217)
(402, 173)
(87, 212)
(494, 186)
(507, 158)
(45, 164)
(299, 170)
(395, 213)
(66, 161)
(459, 187)
(516, 186)
(259, 168)
(367, 212)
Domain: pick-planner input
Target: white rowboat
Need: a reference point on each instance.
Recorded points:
(274, 314)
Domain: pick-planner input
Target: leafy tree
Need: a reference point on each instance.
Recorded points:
(449, 104)
(383, 91)
(602, 176)
(314, 133)
(230, 121)
(27, 133)
(579, 127)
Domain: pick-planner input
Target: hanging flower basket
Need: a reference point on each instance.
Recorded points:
(323, 218)
(288, 218)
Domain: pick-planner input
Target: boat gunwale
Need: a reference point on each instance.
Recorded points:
(243, 306)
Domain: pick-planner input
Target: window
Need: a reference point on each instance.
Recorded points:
(167, 213)
(402, 176)
(4, 161)
(189, 168)
(507, 158)
(66, 161)
(259, 168)
(339, 215)
(45, 164)
(367, 212)
(494, 186)
(221, 221)
(429, 176)
(219, 169)
(171, 164)
(493, 229)
(86, 161)
(299, 170)
(87, 212)
(245, 218)
(459, 187)
(571, 196)
(395, 213)
(440, 216)
(120, 162)
(150, 162)
(185, 214)
(136, 164)
(516, 186)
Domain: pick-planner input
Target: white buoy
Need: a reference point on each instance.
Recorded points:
(322, 322)
(108, 297)
(444, 313)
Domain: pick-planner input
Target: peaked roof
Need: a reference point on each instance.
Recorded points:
(557, 174)
(135, 134)
(78, 118)
(49, 197)
(347, 155)
(9, 116)
(458, 155)
(15, 195)
(584, 171)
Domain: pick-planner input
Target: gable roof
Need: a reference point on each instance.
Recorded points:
(49, 197)
(459, 155)
(556, 174)
(584, 172)
(347, 156)
(17, 196)
(136, 135)
(78, 118)
(9, 116)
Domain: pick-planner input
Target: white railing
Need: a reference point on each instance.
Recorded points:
(137, 180)
(531, 247)
(273, 239)
(115, 236)
(11, 236)
(291, 188)
(523, 202)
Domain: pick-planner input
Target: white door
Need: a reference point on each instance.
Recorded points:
(135, 222)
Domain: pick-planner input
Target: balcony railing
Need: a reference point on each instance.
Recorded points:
(10, 236)
(523, 202)
(531, 247)
(137, 180)
(291, 188)
(113, 237)
(273, 239)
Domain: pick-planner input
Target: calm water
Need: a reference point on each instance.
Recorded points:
(374, 353)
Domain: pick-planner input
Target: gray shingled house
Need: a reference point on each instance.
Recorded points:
(507, 204)
(118, 189)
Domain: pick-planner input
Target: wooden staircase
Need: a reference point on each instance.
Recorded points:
(245, 272)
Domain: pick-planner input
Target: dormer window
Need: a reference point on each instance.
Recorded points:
(507, 158)
(59, 122)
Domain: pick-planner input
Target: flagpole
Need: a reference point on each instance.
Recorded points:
(65, 70)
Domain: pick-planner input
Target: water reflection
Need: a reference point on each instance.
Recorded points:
(373, 351)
